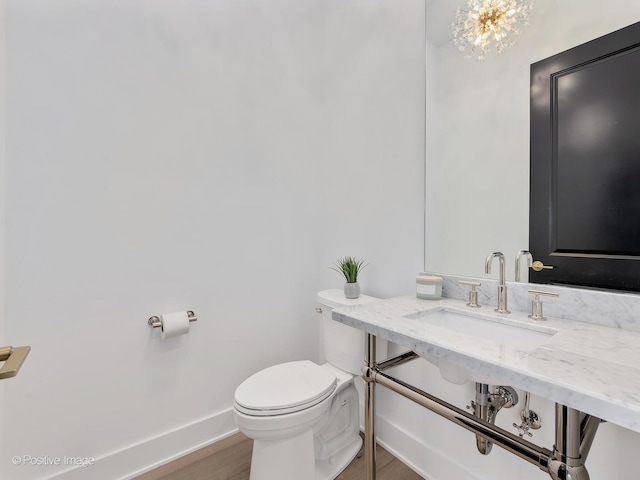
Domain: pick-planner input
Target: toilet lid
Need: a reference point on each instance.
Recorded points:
(285, 388)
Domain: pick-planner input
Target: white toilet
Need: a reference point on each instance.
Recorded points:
(304, 418)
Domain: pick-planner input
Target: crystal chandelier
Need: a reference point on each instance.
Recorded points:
(488, 23)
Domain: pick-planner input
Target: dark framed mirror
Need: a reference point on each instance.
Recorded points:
(585, 164)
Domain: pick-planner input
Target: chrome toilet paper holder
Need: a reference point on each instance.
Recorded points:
(156, 322)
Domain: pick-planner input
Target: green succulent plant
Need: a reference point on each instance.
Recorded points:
(349, 268)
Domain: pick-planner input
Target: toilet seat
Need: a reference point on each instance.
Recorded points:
(284, 388)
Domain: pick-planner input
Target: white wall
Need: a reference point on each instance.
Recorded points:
(219, 156)
(214, 156)
(477, 202)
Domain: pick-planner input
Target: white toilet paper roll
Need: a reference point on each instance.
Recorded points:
(174, 324)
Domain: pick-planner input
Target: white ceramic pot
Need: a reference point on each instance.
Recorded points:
(352, 290)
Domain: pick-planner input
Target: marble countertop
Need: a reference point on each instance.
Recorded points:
(592, 368)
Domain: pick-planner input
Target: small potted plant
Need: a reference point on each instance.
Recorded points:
(349, 268)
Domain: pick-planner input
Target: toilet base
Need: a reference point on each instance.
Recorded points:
(292, 459)
(331, 468)
(289, 458)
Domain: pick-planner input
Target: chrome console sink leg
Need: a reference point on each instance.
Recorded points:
(588, 429)
(369, 407)
(567, 462)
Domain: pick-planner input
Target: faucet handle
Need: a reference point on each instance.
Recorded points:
(473, 293)
(536, 304)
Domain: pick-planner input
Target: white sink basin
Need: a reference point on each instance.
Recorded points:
(522, 336)
(497, 330)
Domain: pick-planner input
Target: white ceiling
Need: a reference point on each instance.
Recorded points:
(439, 15)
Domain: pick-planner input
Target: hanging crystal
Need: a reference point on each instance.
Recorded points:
(487, 25)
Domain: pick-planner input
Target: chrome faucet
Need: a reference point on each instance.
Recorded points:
(502, 288)
(529, 257)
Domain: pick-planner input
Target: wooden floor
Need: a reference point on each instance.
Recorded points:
(230, 459)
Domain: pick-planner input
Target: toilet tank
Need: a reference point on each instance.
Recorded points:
(343, 346)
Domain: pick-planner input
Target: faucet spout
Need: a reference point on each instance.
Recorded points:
(502, 287)
(529, 257)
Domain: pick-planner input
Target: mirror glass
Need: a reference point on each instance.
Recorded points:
(584, 200)
(477, 151)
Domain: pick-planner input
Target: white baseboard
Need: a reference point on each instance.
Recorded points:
(137, 459)
(422, 458)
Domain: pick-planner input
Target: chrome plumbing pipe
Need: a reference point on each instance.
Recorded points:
(481, 410)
